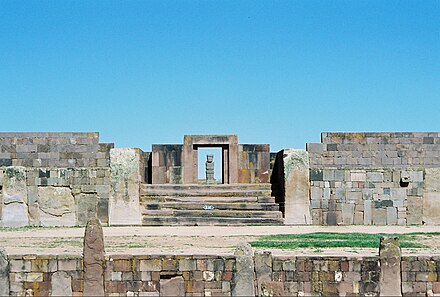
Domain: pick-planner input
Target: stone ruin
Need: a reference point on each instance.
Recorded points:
(65, 179)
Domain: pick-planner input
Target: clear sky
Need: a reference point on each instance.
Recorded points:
(277, 72)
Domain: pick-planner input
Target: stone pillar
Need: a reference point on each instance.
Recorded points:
(263, 270)
(94, 261)
(431, 196)
(297, 197)
(243, 276)
(390, 267)
(15, 210)
(4, 273)
(126, 172)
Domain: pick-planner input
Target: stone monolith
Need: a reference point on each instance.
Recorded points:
(390, 256)
(93, 259)
(243, 276)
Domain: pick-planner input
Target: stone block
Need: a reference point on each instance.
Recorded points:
(14, 210)
(150, 265)
(187, 264)
(86, 204)
(56, 206)
(414, 210)
(379, 216)
(359, 176)
(4, 273)
(390, 266)
(374, 177)
(368, 215)
(263, 269)
(172, 287)
(126, 170)
(296, 176)
(348, 213)
(391, 216)
(431, 208)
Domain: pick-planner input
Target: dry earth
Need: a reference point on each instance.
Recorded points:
(205, 240)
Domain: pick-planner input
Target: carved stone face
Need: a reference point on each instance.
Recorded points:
(209, 158)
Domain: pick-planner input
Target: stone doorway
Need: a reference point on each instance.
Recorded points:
(229, 146)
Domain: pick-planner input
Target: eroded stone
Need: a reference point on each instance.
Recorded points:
(4, 273)
(243, 276)
(61, 284)
(93, 259)
(390, 263)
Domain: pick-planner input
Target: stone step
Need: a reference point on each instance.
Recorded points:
(216, 205)
(204, 199)
(224, 190)
(207, 221)
(214, 213)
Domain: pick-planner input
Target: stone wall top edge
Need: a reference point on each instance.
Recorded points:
(327, 137)
(49, 134)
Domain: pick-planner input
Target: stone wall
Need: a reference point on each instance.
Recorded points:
(53, 196)
(57, 149)
(124, 275)
(254, 163)
(375, 178)
(161, 275)
(166, 164)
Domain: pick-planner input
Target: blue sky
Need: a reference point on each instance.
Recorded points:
(277, 72)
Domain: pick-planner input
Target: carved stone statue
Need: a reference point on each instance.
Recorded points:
(209, 166)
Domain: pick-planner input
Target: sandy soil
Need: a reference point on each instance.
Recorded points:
(205, 240)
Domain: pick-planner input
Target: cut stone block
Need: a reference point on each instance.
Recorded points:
(379, 216)
(348, 213)
(172, 287)
(4, 273)
(57, 206)
(126, 171)
(296, 176)
(61, 284)
(263, 269)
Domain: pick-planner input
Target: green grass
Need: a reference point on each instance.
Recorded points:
(337, 240)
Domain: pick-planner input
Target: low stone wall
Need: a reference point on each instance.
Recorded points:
(162, 275)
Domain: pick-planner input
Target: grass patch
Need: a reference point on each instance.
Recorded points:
(337, 240)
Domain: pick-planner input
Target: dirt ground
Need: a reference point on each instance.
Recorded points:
(200, 240)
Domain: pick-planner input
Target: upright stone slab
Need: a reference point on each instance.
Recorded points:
(296, 176)
(263, 270)
(126, 173)
(93, 259)
(15, 210)
(4, 274)
(243, 276)
(390, 256)
(56, 206)
(61, 284)
(431, 196)
(172, 287)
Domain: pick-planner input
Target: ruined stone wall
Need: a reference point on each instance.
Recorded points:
(254, 163)
(161, 275)
(124, 275)
(374, 178)
(53, 179)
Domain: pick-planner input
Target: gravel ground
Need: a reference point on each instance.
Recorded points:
(206, 240)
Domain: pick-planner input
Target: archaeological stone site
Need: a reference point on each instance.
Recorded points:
(73, 180)
(65, 179)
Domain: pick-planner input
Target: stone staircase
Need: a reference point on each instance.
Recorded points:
(199, 204)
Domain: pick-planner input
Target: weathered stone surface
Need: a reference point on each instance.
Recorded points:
(296, 175)
(93, 259)
(124, 208)
(263, 269)
(85, 207)
(390, 263)
(57, 206)
(172, 287)
(4, 273)
(61, 284)
(272, 289)
(15, 210)
(243, 276)
(431, 196)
